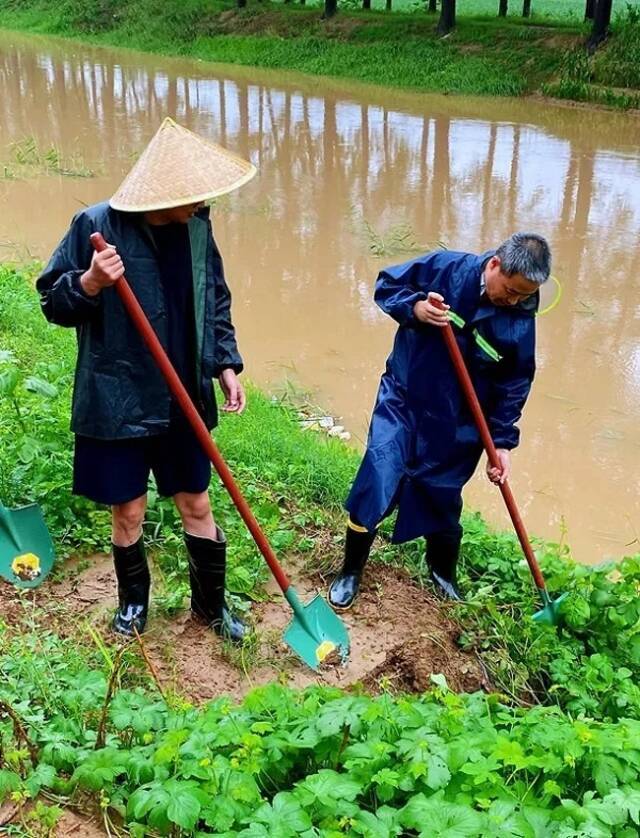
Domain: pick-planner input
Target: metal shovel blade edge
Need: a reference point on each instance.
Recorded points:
(323, 635)
(549, 614)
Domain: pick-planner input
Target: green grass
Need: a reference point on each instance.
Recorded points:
(485, 55)
(296, 482)
(547, 10)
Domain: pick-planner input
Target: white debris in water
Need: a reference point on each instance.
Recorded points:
(323, 423)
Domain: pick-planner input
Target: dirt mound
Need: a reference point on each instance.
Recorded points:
(400, 635)
(409, 667)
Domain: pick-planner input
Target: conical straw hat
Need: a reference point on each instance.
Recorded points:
(178, 168)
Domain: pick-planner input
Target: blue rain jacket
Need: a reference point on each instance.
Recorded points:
(119, 392)
(423, 445)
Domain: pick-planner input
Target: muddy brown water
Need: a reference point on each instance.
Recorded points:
(352, 178)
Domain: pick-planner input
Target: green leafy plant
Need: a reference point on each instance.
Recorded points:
(553, 753)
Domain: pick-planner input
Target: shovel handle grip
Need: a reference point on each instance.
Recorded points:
(485, 435)
(177, 388)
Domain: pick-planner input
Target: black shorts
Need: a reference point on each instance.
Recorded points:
(117, 471)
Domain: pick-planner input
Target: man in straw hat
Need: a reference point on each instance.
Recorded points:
(125, 421)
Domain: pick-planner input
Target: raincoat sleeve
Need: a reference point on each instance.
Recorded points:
(226, 354)
(400, 287)
(62, 298)
(510, 390)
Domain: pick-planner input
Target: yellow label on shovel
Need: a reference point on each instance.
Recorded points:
(324, 650)
(26, 567)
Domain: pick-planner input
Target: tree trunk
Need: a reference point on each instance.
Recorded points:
(526, 8)
(504, 8)
(447, 17)
(601, 21)
(242, 4)
(387, 6)
(589, 9)
(433, 7)
(330, 8)
(366, 4)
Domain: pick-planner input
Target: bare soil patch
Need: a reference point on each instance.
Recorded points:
(80, 826)
(72, 823)
(400, 635)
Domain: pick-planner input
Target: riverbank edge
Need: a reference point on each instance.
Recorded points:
(297, 478)
(482, 57)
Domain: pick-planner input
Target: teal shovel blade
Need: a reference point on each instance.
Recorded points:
(26, 549)
(549, 614)
(315, 633)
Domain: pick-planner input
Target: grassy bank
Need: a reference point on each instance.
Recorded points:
(485, 55)
(554, 754)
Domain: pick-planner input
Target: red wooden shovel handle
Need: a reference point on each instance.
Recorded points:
(474, 404)
(178, 390)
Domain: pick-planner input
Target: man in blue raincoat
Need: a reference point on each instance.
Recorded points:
(423, 445)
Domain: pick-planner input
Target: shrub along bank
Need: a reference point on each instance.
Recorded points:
(556, 753)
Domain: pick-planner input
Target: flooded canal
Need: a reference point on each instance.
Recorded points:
(351, 178)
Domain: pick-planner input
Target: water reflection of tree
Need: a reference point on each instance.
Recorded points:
(319, 158)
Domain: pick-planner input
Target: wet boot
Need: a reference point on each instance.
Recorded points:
(207, 568)
(134, 582)
(345, 586)
(443, 551)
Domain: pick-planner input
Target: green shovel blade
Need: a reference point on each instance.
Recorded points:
(26, 549)
(549, 614)
(315, 632)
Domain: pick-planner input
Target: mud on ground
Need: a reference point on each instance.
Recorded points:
(400, 635)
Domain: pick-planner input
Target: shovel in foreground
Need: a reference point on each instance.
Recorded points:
(316, 634)
(549, 614)
(26, 549)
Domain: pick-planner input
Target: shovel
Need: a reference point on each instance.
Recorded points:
(26, 549)
(549, 614)
(315, 632)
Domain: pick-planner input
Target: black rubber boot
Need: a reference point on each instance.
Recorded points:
(443, 551)
(134, 582)
(207, 568)
(345, 586)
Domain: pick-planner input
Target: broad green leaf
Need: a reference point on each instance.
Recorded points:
(9, 781)
(183, 807)
(43, 777)
(256, 830)
(284, 816)
(220, 812)
(627, 798)
(327, 787)
(538, 820)
(100, 768)
(510, 753)
(41, 387)
(368, 825)
(9, 378)
(438, 774)
(434, 816)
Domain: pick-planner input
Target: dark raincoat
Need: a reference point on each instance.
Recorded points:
(119, 392)
(423, 445)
